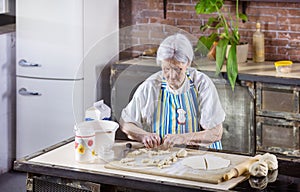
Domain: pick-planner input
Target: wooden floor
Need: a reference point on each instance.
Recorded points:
(13, 182)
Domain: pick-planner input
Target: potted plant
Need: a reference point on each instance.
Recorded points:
(228, 34)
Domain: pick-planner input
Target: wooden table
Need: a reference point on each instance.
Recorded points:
(59, 161)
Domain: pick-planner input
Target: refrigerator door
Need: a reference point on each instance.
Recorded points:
(49, 39)
(46, 112)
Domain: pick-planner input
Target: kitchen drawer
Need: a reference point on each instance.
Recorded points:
(278, 136)
(40, 183)
(277, 101)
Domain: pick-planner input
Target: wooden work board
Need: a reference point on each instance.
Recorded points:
(178, 170)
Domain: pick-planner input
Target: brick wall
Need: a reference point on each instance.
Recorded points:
(143, 25)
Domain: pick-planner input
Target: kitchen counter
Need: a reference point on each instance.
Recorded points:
(58, 161)
(7, 28)
(264, 72)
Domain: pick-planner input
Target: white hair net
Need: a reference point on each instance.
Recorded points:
(176, 47)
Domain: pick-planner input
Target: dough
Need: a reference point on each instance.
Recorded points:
(145, 160)
(271, 161)
(136, 152)
(143, 150)
(214, 162)
(127, 160)
(259, 169)
(181, 153)
(206, 162)
(195, 162)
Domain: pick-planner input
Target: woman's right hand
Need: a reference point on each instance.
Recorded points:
(151, 140)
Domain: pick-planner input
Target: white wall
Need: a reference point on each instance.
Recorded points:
(7, 101)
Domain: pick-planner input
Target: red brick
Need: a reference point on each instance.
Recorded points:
(168, 22)
(295, 58)
(151, 13)
(184, 7)
(179, 1)
(175, 14)
(270, 50)
(294, 44)
(270, 35)
(288, 5)
(140, 20)
(188, 22)
(295, 27)
(288, 20)
(276, 42)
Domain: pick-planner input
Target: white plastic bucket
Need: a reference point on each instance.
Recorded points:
(105, 132)
(100, 133)
(84, 142)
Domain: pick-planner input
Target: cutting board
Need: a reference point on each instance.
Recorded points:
(178, 170)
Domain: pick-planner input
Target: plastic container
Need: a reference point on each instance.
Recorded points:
(105, 138)
(101, 133)
(84, 143)
(283, 66)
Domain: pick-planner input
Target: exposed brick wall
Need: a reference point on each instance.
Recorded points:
(280, 24)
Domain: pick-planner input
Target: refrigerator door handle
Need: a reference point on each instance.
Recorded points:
(23, 91)
(25, 63)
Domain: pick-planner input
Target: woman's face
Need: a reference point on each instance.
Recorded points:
(174, 72)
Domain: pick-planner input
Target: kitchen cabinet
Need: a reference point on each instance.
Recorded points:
(278, 118)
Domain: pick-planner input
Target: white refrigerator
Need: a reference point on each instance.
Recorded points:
(56, 65)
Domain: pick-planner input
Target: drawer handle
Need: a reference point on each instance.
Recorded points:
(23, 91)
(25, 63)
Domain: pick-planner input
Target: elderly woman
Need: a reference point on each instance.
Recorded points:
(177, 105)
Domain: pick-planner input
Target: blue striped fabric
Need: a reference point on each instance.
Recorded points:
(166, 116)
(216, 145)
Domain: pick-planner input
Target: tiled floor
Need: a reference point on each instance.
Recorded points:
(13, 182)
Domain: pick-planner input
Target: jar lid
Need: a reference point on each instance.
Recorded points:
(282, 63)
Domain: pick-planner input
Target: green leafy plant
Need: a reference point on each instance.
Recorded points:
(225, 31)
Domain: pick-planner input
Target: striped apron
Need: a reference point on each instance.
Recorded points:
(177, 114)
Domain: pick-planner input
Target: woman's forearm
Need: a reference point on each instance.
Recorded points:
(132, 131)
(202, 138)
(205, 137)
(150, 140)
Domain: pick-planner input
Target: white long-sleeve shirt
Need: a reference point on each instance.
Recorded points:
(140, 109)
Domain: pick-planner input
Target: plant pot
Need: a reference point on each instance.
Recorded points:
(241, 52)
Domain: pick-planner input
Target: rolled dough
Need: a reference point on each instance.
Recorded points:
(206, 162)
(195, 162)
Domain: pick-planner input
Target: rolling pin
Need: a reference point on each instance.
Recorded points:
(240, 169)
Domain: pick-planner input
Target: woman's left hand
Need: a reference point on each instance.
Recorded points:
(173, 139)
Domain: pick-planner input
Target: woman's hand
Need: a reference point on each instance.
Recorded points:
(151, 140)
(173, 139)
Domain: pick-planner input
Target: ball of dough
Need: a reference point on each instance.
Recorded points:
(271, 161)
(259, 169)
